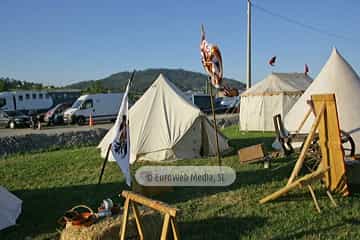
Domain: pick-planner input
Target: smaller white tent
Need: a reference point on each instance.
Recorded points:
(10, 208)
(337, 76)
(276, 94)
(164, 125)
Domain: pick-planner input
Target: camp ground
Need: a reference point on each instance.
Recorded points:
(179, 120)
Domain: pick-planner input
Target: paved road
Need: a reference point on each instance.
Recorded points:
(5, 132)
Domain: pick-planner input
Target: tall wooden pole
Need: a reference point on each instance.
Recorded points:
(248, 50)
(215, 125)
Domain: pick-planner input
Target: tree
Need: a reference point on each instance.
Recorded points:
(3, 85)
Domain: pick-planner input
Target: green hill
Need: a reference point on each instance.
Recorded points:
(185, 80)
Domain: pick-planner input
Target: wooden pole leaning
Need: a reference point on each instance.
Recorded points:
(104, 163)
(331, 169)
(303, 121)
(215, 125)
(300, 161)
(133, 199)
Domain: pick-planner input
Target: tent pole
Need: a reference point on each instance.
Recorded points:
(215, 126)
(104, 163)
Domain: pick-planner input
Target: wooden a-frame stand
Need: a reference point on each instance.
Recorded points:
(331, 169)
(133, 199)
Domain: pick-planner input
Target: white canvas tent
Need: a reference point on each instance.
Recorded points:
(337, 76)
(10, 208)
(165, 126)
(276, 94)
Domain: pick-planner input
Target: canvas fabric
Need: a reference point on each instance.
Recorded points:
(337, 76)
(165, 126)
(10, 208)
(274, 95)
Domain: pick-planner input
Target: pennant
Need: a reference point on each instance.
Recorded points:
(120, 145)
(211, 60)
(272, 61)
(306, 71)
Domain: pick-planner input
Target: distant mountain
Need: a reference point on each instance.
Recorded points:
(185, 80)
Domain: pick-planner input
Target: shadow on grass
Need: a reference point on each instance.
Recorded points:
(316, 230)
(43, 207)
(243, 179)
(220, 227)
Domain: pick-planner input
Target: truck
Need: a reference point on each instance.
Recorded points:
(36, 101)
(25, 101)
(101, 107)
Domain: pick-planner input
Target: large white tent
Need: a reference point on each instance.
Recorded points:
(165, 126)
(276, 94)
(10, 208)
(337, 76)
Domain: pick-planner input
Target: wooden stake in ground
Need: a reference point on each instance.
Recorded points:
(215, 125)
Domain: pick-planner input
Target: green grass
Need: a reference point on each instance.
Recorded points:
(52, 182)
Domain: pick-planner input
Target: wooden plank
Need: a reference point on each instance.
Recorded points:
(330, 145)
(156, 205)
(300, 161)
(165, 227)
(125, 219)
(174, 228)
(137, 220)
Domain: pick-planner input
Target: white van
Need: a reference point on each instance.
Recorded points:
(101, 107)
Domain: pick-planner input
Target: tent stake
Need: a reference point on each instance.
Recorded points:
(104, 163)
(215, 126)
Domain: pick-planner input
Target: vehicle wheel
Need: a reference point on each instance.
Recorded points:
(80, 120)
(12, 125)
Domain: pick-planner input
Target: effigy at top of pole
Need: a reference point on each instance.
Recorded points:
(211, 60)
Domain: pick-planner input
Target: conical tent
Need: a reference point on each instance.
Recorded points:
(274, 95)
(10, 208)
(337, 76)
(165, 126)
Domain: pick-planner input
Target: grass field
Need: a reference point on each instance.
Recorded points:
(52, 182)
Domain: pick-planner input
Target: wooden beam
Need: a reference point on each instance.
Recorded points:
(137, 220)
(156, 205)
(304, 181)
(303, 121)
(174, 228)
(165, 227)
(308, 140)
(314, 198)
(331, 198)
(125, 219)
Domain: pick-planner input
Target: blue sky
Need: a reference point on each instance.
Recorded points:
(61, 42)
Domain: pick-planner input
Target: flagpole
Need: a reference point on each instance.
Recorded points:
(109, 148)
(104, 163)
(215, 125)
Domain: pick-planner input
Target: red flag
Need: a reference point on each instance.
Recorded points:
(272, 61)
(306, 69)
